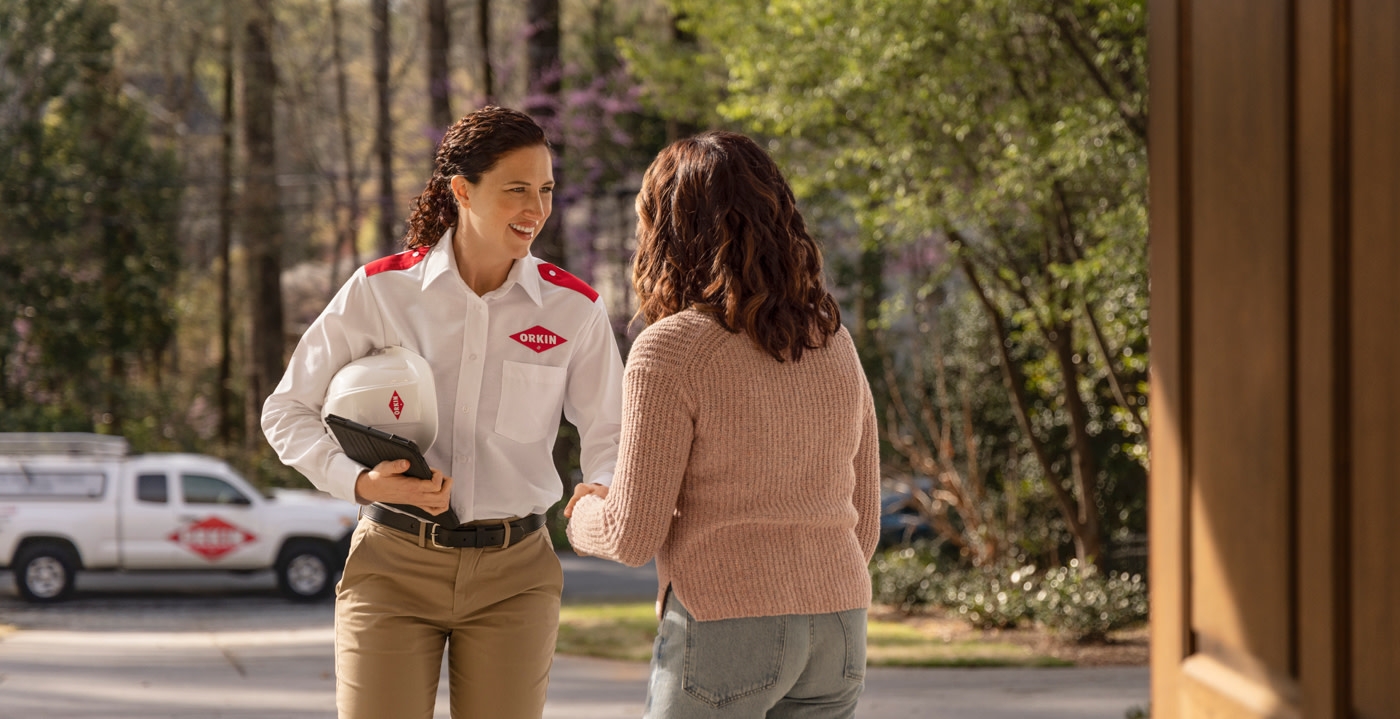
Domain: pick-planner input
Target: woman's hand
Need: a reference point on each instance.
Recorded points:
(387, 483)
(581, 491)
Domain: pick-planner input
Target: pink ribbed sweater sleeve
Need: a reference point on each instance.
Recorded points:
(634, 521)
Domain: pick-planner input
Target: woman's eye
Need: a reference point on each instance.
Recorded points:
(549, 190)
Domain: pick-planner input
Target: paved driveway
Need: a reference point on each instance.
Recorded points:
(226, 646)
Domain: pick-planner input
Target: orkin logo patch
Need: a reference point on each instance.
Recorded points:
(211, 538)
(396, 405)
(538, 338)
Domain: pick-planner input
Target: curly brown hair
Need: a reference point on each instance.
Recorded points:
(718, 230)
(470, 148)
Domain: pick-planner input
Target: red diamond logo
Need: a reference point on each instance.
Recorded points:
(538, 338)
(211, 538)
(396, 405)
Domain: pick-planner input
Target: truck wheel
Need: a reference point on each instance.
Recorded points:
(305, 572)
(44, 573)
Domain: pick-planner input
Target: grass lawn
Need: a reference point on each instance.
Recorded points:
(610, 631)
(626, 631)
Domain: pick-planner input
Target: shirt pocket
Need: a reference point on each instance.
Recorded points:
(531, 398)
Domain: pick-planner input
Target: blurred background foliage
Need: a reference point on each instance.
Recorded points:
(976, 170)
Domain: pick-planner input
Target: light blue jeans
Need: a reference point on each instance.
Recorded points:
(804, 666)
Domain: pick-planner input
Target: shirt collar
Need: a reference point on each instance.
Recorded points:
(439, 261)
(525, 272)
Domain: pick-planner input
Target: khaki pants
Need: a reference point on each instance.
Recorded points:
(398, 604)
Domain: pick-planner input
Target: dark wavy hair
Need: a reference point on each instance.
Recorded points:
(470, 148)
(718, 230)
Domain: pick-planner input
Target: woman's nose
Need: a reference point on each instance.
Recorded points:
(538, 208)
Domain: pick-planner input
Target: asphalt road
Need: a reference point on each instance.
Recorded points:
(150, 646)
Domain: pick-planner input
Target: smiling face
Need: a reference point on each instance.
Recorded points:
(500, 216)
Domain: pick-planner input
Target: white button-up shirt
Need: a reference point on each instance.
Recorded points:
(504, 365)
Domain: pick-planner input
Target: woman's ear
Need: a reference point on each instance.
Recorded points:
(459, 190)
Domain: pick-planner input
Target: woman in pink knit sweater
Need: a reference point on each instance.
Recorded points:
(749, 460)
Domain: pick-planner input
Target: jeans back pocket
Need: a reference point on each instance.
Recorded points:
(729, 659)
(853, 624)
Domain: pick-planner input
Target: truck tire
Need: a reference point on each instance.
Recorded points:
(44, 572)
(305, 572)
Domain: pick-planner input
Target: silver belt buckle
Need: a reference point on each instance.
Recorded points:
(432, 535)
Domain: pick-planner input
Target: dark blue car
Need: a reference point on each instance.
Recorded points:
(901, 522)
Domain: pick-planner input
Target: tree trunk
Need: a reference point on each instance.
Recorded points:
(224, 390)
(681, 129)
(1015, 382)
(383, 139)
(545, 82)
(439, 83)
(1088, 542)
(870, 294)
(350, 230)
(262, 217)
(483, 27)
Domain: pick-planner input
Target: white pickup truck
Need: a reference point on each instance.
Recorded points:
(71, 502)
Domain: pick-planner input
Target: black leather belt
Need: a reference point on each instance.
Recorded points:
(478, 535)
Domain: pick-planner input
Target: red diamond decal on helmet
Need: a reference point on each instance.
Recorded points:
(538, 338)
(396, 405)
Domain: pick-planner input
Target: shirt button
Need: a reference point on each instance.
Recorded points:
(473, 356)
(464, 408)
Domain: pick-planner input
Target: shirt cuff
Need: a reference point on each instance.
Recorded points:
(603, 478)
(343, 474)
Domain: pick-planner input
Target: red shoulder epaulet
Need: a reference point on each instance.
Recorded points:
(555, 276)
(401, 261)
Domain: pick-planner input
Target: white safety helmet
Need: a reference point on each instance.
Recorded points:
(389, 389)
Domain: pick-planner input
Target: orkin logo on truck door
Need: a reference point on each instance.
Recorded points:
(211, 538)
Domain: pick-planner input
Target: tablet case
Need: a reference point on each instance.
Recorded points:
(370, 446)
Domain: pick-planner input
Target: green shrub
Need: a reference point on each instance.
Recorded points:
(990, 598)
(906, 578)
(1083, 605)
(1079, 604)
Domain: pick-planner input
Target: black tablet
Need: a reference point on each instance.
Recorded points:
(370, 446)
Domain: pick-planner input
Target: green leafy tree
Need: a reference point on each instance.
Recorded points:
(1008, 133)
(88, 207)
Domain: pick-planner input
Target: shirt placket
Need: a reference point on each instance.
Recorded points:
(469, 402)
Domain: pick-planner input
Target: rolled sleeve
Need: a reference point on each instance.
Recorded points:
(593, 400)
(349, 327)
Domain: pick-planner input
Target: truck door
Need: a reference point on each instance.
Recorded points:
(219, 525)
(148, 518)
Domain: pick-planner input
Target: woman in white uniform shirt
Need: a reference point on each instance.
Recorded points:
(512, 342)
